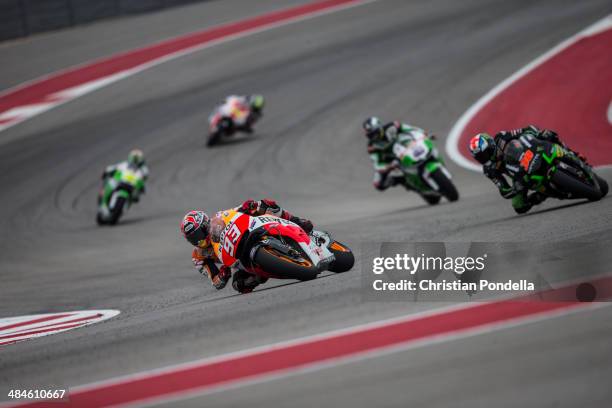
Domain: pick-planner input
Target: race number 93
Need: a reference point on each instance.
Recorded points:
(229, 243)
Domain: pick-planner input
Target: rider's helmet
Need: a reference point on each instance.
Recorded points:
(373, 128)
(136, 158)
(256, 102)
(195, 227)
(482, 147)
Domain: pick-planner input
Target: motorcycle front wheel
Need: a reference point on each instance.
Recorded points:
(446, 186)
(344, 257)
(117, 211)
(213, 139)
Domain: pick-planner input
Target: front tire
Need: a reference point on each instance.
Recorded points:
(281, 266)
(446, 186)
(100, 219)
(213, 139)
(117, 211)
(344, 258)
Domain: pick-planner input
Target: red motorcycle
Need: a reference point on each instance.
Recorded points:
(234, 115)
(273, 247)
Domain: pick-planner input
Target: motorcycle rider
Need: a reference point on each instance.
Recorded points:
(135, 162)
(381, 138)
(201, 231)
(494, 152)
(235, 106)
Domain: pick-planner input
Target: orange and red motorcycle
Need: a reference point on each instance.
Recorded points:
(273, 247)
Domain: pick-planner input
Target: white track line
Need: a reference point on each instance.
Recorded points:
(11, 335)
(452, 141)
(68, 95)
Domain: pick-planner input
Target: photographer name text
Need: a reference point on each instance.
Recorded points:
(444, 285)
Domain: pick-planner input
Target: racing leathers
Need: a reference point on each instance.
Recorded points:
(498, 167)
(206, 261)
(142, 170)
(384, 160)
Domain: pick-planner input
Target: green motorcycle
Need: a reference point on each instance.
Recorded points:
(120, 190)
(553, 170)
(422, 168)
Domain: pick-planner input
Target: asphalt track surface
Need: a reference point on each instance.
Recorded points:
(423, 61)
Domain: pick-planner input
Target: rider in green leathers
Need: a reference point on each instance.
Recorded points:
(136, 164)
(494, 152)
(381, 138)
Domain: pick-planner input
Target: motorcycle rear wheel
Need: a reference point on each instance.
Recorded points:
(576, 187)
(431, 199)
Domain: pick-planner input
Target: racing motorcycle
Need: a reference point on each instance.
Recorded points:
(552, 169)
(273, 247)
(117, 194)
(422, 168)
(225, 121)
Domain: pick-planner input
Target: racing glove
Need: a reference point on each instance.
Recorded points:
(253, 207)
(305, 224)
(268, 204)
(249, 206)
(490, 170)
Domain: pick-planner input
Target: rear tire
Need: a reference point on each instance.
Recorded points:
(283, 268)
(447, 188)
(575, 187)
(344, 258)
